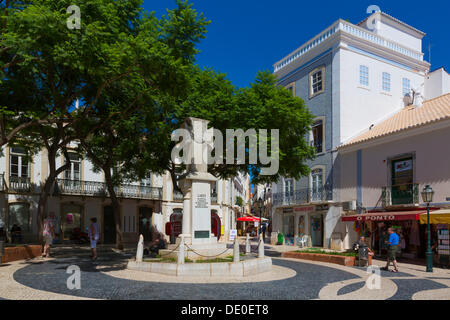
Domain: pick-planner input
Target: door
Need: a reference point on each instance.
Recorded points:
(145, 222)
(317, 231)
(70, 220)
(109, 225)
(215, 224)
(402, 181)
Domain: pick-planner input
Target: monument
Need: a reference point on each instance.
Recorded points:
(200, 243)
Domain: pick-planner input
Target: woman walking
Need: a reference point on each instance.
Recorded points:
(94, 235)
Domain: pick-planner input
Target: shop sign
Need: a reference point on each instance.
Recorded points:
(322, 207)
(303, 209)
(376, 218)
(288, 210)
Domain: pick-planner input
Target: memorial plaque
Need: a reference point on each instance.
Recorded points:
(201, 234)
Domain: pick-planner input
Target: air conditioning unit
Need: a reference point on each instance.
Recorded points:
(349, 205)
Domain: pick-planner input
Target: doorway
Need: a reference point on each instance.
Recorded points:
(317, 231)
(109, 225)
(71, 218)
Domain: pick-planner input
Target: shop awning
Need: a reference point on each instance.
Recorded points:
(385, 216)
(248, 219)
(436, 217)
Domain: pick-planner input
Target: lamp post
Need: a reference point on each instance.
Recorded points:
(260, 206)
(427, 196)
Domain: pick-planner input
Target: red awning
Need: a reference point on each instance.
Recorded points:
(248, 219)
(385, 216)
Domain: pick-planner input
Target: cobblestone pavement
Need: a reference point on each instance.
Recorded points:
(290, 279)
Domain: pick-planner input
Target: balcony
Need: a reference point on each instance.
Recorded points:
(400, 195)
(99, 189)
(303, 196)
(19, 184)
(344, 27)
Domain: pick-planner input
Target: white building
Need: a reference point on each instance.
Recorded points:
(80, 194)
(351, 77)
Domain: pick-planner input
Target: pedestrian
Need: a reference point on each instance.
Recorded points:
(94, 235)
(48, 234)
(393, 244)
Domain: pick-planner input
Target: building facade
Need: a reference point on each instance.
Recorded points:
(351, 77)
(80, 194)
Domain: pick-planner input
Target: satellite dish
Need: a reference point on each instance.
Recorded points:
(407, 100)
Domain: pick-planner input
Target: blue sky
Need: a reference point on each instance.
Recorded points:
(247, 35)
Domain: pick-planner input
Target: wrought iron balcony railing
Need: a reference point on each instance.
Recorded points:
(303, 196)
(19, 184)
(405, 194)
(99, 189)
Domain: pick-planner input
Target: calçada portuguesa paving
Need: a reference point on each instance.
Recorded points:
(290, 279)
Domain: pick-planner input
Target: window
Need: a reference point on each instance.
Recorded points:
(19, 214)
(364, 75)
(406, 85)
(74, 172)
(147, 181)
(19, 166)
(316, 82)
(288, 190)
(386, 82)
(291, 88)
(316, 184)
(317, 136)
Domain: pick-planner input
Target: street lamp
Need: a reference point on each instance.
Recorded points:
(427, 196)
(260, 206)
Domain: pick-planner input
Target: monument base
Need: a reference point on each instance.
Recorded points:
(199, 251)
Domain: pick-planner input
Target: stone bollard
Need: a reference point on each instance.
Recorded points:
(140, 249)
(180, 257)
(247, 244)
(261, 247)
(236, 250)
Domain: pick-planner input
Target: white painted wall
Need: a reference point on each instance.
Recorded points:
(361, 106)
(437, 83)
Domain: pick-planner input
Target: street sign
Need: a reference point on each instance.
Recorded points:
(233, 234)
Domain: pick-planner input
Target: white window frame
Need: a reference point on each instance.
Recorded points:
(69, 174)
(311, 75)
(20, 158)
(386, 82)
(311, 183)
(406, 86)
(364, 74)
(148, 181)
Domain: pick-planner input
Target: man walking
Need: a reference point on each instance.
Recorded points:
(94, 235)
(393, 243)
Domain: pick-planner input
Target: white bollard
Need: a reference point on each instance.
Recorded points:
(180, 257)
(261, 247)
(236, 250)
(247, 244)
(140, 249)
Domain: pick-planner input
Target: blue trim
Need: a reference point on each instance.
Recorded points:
(305, 64)
(378, 57)
(359, 177)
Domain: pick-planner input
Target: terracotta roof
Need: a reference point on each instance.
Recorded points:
(431, 111)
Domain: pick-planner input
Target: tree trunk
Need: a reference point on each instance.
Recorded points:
(116, 208)
(45, 192)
